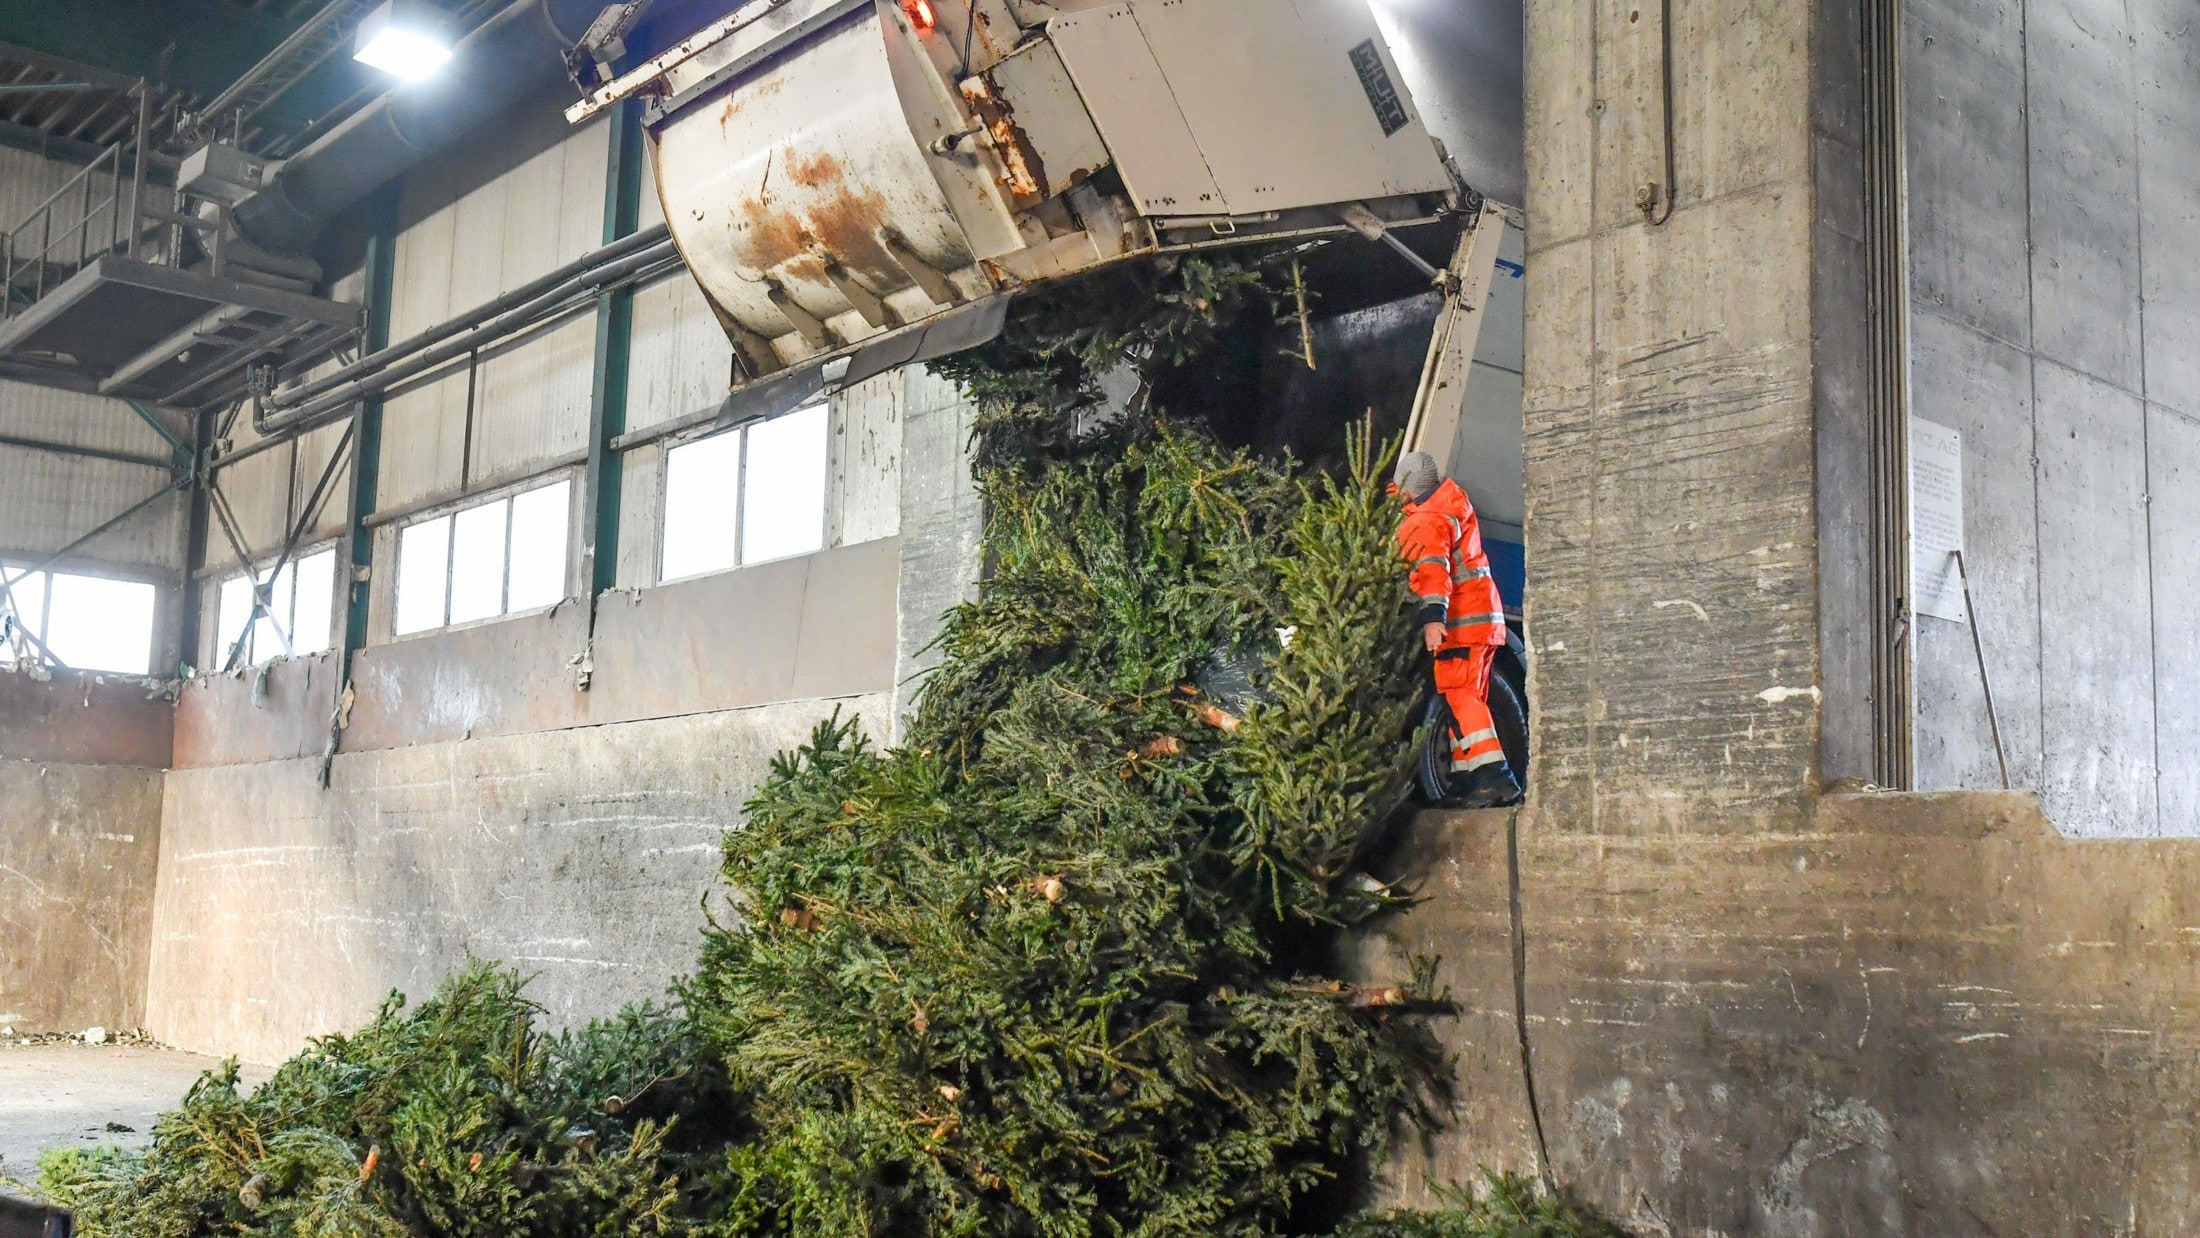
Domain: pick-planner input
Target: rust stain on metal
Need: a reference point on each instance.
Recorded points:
(809, 268)
(814, 172)
(1025, 175)
(844, 224)
(987, 41)
(741, 98)
(769, 237)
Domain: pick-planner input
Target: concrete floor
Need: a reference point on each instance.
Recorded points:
(66, 1095)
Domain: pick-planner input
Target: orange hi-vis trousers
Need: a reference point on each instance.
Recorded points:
(1463, 677)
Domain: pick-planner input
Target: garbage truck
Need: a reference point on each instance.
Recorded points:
(858, 185)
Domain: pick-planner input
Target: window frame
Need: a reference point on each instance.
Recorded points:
(218, 660)
(738, 531)
(568, 477)
(40, 655)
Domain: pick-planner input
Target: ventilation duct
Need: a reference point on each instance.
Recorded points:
(515, 54)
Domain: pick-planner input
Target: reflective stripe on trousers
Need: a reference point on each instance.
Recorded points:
(1464, 682)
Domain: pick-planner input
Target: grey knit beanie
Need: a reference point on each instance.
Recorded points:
(1417, 474)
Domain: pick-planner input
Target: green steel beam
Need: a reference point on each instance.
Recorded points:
(602, 480)
(86, 453)
(366, 457)
(194, 555)
(185, 460)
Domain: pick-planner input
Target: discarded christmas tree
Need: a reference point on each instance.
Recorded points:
(456, 1118)
(1039, 969)
(1053, 965)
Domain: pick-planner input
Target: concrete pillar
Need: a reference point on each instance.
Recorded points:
(1672, 541)
(1752, 1007)
(942, 520)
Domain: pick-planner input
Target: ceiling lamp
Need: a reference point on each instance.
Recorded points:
(408, 39)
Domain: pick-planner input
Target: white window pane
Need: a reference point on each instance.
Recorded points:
(423, 572)
(783, 496)
(234, 612)
(315, 602)
(477, 562)
(702, 487)
(101, 625)
(267, 645)
(541, 519)
(29, 594)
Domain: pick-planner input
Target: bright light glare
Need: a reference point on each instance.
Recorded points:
(702, 491)
(101, 625)
(783, 496)
(477, 562)
(541, 519)
(423, 575)
(406, 51)
(316, 600)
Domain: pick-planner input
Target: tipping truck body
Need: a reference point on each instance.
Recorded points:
(858, 184)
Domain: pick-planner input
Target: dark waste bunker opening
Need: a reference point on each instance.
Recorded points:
(1369, 323)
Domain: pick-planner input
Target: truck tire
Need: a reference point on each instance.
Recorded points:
(1508, 709)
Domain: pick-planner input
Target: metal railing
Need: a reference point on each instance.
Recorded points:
(77, 223)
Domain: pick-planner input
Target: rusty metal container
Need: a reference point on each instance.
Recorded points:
(842, 176)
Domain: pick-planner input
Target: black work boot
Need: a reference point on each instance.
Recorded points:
(1492, 786)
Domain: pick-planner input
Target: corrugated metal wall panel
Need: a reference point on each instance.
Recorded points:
(77, 420)
(27, 180)
(314, 450)
(534, 397)
(422, 443)
(682, 361)
(259, 493)
(423, 421)
(865, 494)
(531, 396)
(48, 500)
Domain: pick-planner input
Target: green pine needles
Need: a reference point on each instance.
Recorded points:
(459, 1118)
(1051, 966)
(1040, 969)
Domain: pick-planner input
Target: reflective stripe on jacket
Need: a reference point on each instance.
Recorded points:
(1450, 575)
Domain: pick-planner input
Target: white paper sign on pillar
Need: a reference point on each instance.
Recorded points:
(1936, 521)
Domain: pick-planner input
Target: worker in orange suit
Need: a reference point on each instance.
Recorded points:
(1461, 620)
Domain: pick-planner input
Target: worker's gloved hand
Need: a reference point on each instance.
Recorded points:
(1432, 635)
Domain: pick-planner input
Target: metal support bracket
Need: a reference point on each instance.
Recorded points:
(1442, 397)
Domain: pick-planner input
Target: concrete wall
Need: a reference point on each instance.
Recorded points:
(1669, 443)
(1752, 1008)
(80, 785)
(1901, 1014)
(2055, 289)
(578, 855)
(482, 802)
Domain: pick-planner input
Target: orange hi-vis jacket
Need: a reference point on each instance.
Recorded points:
(1450, 573)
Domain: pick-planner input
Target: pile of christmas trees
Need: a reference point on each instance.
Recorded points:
(1054, 965)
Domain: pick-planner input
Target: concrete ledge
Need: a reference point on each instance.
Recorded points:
(83, 719)
(1919, 1014)
(668, 651)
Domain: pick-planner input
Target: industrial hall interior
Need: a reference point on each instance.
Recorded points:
(1063, 618)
